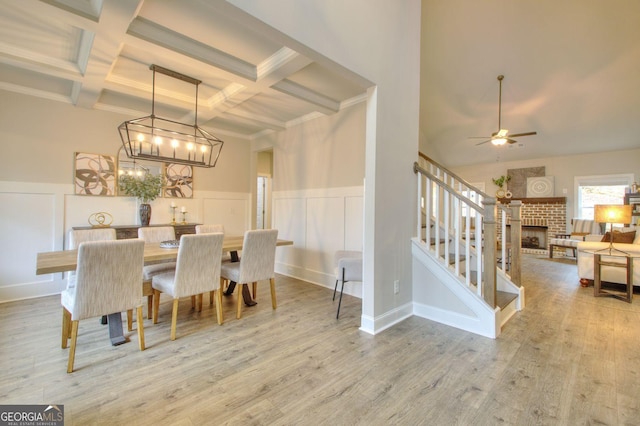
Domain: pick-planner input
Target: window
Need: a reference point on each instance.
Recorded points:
(604, 189)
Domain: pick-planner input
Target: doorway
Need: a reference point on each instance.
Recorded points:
(264, 167)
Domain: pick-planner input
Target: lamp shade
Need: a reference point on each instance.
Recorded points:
(612, 213)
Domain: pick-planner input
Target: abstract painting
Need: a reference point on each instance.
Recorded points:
(518, 181)
(178, 181)
(540, 187)
(95, 174)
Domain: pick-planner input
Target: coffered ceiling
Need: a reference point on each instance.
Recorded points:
(96, 54)
(571, 70)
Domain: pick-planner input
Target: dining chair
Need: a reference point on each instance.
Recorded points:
(257, 263)
(214, 228)
(197, 271)
(155, 234)
(107, 280)
(77, 236)
(348, 267)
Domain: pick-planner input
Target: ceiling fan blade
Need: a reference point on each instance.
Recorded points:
(480, 143)
(509, 140)
(523, 134)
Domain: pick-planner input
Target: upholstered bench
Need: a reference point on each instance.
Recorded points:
(580, 229)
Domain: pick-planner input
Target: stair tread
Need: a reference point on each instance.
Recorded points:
(503, 298)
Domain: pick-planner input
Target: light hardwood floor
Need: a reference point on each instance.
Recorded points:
(569, 358)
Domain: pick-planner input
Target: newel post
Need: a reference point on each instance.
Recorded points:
(490, 246)
(516, 241)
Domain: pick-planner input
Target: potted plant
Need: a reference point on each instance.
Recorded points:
(500, 182)
(145, 188)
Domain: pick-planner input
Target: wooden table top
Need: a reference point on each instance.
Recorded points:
(67, 260)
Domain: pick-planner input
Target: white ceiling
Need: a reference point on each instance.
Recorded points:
(572, 70)
(96, 54)
(572, 73)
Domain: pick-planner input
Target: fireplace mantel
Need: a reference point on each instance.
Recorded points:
(545, 200)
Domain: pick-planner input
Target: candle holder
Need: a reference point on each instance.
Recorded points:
(173, 220)
(184, 217)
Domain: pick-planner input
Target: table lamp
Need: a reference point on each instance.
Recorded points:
(612, 213)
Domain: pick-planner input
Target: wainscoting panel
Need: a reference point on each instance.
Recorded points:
(232, 212)
(319, 222)
(37, 217)
(29, 225)
(289, 219)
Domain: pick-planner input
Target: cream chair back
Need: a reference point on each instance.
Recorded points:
(198, 265)
(258, 255)
(77, 236)
(209, 229)
(156, 234)
(108, 278)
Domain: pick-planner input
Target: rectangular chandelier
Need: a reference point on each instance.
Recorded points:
(153, 138)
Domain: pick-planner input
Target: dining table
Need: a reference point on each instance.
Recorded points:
(67, 260)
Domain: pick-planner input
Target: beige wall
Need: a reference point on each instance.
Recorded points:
(327, 152)
(564, 169)
(39, 138)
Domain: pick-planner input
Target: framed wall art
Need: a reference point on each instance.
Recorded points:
(94, 174)
(178, 181)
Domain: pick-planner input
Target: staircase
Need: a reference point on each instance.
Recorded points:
(463, 274)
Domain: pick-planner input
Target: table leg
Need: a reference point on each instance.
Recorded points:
(115, 329)
(596, 275)
(629, 279)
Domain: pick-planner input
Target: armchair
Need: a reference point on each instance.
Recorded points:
(579, 230)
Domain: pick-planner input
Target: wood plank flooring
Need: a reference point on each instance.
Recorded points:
(569, 358)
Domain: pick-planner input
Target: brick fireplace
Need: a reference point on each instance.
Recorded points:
(542, 218)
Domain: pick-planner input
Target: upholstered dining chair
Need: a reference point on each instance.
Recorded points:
(197, 271)
(257, 263)
(107, 280)
(209, 229)
(348, 267)
(155, 234)
(77, 236)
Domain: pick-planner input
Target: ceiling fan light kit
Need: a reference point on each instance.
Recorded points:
(502, 136)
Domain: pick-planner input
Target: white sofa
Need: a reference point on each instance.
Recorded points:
(608, 273)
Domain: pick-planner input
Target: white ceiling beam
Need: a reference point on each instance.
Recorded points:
(325, 104)
(114, 21)
(162, 36)
(254, 120)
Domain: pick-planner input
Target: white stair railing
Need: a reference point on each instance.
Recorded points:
(457, 223)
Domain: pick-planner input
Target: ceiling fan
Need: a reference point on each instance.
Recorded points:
(502, 136)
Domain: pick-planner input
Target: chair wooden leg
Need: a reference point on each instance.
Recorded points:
(211, 298)
(239, 304)
(66, 322)
(140, 329)
(272, 283)
(255, 290)
(129, 319)
(156, 305)
(218, 297)
(72, 349)
(199, 302)
(149, 306)
(174, 319)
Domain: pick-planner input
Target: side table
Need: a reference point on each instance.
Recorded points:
(598, 263)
